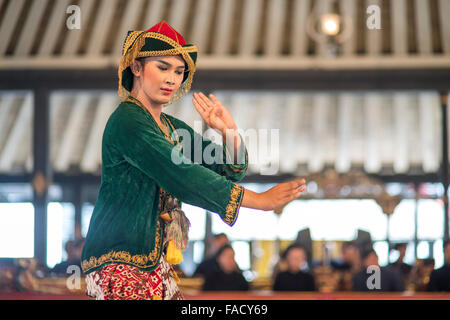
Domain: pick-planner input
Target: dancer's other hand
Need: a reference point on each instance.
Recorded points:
(276, 197)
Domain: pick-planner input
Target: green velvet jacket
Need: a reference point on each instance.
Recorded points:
(137, 170)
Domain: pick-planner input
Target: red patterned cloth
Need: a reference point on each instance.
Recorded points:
(125, 282)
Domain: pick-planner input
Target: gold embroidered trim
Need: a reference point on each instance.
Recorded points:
(232, 209)
(174, 131)
(130, 40)
(138, 260)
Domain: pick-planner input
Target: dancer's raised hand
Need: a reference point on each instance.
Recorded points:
(213, 112)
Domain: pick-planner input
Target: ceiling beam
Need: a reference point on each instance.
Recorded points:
(9, 22)
(30, 28)
(17, 133)
(74, 36)
(299, 38)
(55, 23)
(128, 22)
(423, 29)
(222, 37)
(100, 31)
(252, 13)
(230, 79)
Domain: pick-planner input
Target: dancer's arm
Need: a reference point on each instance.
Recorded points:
(222, 163)
(275, 197)
(217, 117)
(143, 147)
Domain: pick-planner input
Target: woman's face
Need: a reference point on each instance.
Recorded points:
(159, 78)
(295, 258)
(226, 260)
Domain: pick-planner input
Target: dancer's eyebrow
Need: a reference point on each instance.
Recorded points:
(169, 65)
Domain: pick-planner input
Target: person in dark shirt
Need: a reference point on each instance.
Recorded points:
(440, 278)
(73, 250)
(294, 279)
(388, 279)
(350, 259)
(226, 276)
(209, 263)
(399, 265)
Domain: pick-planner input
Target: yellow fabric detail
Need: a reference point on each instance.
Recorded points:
(174, 255)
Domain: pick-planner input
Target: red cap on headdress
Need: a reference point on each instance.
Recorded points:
(165, 29)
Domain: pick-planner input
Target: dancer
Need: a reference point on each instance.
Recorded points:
(138, 230)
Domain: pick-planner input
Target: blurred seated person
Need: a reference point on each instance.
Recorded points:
(226, 276)
(345, 267)
(399, 265)
(209, 263)
(350, 260)
(73, 250)
(294, 278)
(389, 280)
(440, 278)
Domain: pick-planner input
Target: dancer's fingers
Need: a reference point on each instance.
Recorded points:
(293, 193)
(296, 183)
(201, 101)
(297, 194)
(208, 103)
(214, 99)
(198, 106)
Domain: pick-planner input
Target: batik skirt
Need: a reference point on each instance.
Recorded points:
(125, 282)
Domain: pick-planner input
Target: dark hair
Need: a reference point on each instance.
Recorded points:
(219, 235)
(69, 245)
(348, 244)
(397, 246)
(366, 253)
(291, 247)
(74, 244)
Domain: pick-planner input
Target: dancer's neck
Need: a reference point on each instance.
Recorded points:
(154, 109)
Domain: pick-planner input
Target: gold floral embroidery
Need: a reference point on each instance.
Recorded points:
(231, 211)
(138, 260)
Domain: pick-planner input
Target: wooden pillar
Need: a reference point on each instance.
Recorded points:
(444, 174)
(42, 175)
